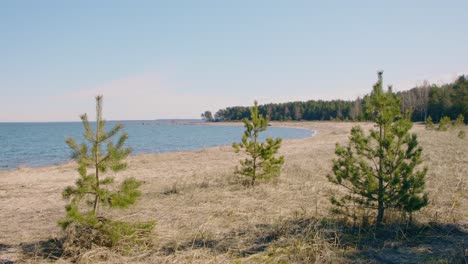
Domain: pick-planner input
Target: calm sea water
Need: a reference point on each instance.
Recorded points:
(39, 144)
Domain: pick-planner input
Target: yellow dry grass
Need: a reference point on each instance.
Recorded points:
(204, 215)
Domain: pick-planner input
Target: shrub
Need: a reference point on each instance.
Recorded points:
(461, 134)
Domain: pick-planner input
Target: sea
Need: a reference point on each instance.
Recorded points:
(42, 144)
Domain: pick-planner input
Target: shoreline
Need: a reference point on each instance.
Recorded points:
(235, 123)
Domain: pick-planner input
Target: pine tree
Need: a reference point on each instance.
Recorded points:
(429, 123)
(379, 169)
(445, 123)
(459, 122)
(91, 186)
(261, 163)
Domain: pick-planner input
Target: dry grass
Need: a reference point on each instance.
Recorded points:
(204, 215)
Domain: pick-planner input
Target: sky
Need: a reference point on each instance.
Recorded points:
(176, 59)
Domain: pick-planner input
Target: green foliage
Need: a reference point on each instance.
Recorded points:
(444, 123)
(261, 162)
(379, 169)
(422, 101)
(449, 100)
(459, 122)
(90, 190)
(429, 123)
(207, 116)
(309, 110)
(461, 134)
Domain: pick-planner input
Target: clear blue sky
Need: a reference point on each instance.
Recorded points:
(175, 59)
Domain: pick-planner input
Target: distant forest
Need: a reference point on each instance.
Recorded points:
(423, 101)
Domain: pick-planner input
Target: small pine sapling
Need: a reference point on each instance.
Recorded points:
(459, 122)
(379, 170)
(444, 123)
(85, 225)
(261, 162)
(429, 123)
(90, 192)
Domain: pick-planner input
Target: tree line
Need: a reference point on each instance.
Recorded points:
(422, 101)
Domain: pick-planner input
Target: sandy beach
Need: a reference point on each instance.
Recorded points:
(195, 193)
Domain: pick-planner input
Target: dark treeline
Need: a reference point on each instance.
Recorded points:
(423, 101)
(310, 110)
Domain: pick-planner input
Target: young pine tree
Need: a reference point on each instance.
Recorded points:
(90, 191)
(379, 169)
(445, 123)
(429, 123)
(261, 162)
(459, 122)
